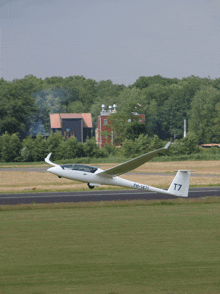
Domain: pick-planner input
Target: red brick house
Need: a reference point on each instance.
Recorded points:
(103, 125)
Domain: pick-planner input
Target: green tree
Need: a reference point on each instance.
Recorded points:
(111, 149)
(0, 148)
(152, 118)
(74, 148)
(141, 145)
(71, 148)
(108, 89)
(15, 147)
(76, 107)
(11, 147)
(190, 144)
(54, 81)
(205, 115)
(91, 149)
(126, 124)
(40, 148)
(144, 82)
(106, 93)
(6, 148)
(128, 148)
(16, 105)
(34, 149)
(176, 108)
(155, 97)
(27, 152)
(54, 145)
(184, 146)
(81, 89)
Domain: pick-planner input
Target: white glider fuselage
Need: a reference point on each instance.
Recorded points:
(96, 177)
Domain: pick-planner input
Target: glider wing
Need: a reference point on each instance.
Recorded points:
(47, 160)
(132, 164)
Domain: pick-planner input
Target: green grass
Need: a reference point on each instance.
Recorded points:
(113, 247)
(81, 160)
(204, 155)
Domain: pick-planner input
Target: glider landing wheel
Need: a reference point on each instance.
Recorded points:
(90, 187)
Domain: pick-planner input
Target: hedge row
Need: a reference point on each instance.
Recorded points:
(36, 149)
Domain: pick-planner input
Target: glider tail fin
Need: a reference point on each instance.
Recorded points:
(180, 184)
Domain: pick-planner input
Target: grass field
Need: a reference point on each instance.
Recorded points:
(21, 181)
(111, 247)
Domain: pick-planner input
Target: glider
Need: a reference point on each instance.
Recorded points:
(94, 176)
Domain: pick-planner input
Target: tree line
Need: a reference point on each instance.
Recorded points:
(27, 103)
(36, 149)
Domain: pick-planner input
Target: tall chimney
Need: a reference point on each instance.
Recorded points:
(103, 107)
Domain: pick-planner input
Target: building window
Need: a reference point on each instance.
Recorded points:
(105, 121)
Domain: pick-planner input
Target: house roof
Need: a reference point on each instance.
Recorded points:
(55, 119)
(87, 119)
(70, 115)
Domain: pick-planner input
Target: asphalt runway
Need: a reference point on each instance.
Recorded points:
(108, 195)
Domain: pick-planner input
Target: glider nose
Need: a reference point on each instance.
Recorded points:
(51, 170)
(56, 170)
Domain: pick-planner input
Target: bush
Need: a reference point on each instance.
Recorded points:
(40, 148)
(27, 150)
(185, 146)
(0, 148)
(128, 149)
(10, 147)
(71, 148)
(141, 145)
(74, 148)
(54, 145)
(110, 149)
(91, 149)
(34, 149)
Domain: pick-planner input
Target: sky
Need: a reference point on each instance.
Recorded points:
(118, 40)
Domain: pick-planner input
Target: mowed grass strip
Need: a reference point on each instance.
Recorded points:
(130, 248)
(19, 178)
(200, 167)
(19, 181)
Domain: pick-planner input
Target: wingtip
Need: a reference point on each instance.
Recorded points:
(47, 158)
(167, 145)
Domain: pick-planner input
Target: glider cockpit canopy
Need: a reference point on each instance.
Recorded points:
(80, 167)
